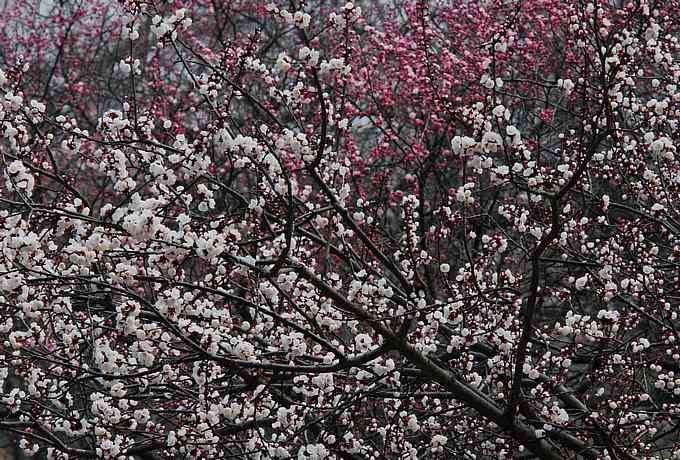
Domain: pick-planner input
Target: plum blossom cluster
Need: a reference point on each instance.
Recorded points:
(357, 230)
